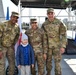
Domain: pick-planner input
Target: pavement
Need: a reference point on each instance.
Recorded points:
(68, 65)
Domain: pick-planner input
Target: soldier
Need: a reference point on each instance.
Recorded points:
(9, 33)
(55, 41)
(35, 35)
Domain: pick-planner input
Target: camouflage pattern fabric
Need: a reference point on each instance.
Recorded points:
(55, 38)
(2, 63)
(36, 40)
(57, 58)
(11, 60)
(10, 34)
(40, 63)
(55, 33)
(8, 37)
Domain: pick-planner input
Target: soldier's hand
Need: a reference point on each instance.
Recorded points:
(62, 50)
(32, 65)
(45, 56)
(1, 54)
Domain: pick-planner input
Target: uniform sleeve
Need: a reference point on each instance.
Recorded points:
(17, 36)
(1, 31)
(63, 35)
(45, 44)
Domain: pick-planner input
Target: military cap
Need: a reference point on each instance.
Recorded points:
(33, 20)
(50, 10)
(15, 14)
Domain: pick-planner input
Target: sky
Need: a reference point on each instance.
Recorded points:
(37, 12)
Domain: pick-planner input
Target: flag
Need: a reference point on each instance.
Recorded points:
(19, 40)
(19, 23)
(7, 14)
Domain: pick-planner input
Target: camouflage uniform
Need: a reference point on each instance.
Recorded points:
(8, 37)
(55, 38)
(36, 40)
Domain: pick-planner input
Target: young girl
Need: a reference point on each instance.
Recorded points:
(25, 56)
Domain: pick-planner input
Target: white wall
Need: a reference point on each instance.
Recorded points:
(12, 7)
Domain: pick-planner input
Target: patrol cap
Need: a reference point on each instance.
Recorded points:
(15, 14)
(50, 10)
(34, 20)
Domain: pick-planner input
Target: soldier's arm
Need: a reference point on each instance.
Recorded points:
(63, 35)
(17, 36)
(45, 44)
(1, 31)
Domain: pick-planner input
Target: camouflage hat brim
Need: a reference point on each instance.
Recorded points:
(33, 20)
(50, 10)
(16, 15)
